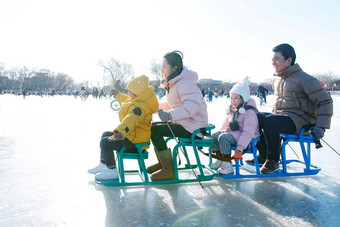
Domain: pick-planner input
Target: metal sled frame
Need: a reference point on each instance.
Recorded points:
(305, 142)
(205, 173)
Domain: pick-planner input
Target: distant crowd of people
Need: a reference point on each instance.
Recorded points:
(82, 92)
(210, 93)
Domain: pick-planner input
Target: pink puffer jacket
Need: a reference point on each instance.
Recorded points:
(185, 101)
(249, 126)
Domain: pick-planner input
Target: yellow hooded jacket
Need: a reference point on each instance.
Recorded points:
(135, 116)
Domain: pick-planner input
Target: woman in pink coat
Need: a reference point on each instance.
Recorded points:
(239, 128)
(184, 111)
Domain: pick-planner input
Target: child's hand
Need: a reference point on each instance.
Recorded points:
(237, 155)
(116, 137)
(114, 92)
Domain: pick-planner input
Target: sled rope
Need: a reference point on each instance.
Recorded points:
(330, 146)
(293, 150)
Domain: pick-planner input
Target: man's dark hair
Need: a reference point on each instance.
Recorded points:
(287, 51)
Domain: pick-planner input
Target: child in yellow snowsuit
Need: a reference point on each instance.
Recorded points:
(135, 115)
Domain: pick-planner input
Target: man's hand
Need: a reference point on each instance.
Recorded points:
(237, 155)
(114, 92)
(317, 132)
(164, 116)
(116, 137)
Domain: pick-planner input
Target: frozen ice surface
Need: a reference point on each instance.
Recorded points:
(47, 144)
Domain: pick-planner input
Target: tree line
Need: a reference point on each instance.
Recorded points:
(18, 78)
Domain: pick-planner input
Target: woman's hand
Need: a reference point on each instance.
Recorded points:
(164, 116)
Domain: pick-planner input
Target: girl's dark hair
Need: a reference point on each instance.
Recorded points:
(174, 59)
(287, 51)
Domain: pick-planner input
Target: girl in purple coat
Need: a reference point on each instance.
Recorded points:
(239, 128)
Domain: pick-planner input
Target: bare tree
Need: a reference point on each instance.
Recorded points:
(267, 83)
(63, 81)
(2, 69)
(33, 79)
(327, 77)
(115, 70)
(2, 76)
(24, 75)
(3, 80)
(14, 78)
(253, 87)
(156, 69)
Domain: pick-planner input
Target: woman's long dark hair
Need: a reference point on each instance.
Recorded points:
(174, 59)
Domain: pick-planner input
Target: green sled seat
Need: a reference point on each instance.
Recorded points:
(140, 176)
(202, 172)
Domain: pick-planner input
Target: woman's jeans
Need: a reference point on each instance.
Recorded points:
(159, 130)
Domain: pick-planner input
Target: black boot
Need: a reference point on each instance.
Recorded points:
(259, 159)
(270, 166)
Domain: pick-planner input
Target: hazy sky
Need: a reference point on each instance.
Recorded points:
(224, 39)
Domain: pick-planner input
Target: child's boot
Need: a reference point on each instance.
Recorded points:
(226, 168)
(217, 164)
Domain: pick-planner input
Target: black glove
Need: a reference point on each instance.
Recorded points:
(164, 116)
(317, 133)
(117, 136)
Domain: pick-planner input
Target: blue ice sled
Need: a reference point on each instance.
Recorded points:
(253, 171)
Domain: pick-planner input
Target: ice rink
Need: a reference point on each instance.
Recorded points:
(48, 143)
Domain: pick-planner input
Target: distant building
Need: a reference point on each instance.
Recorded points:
(210, 83)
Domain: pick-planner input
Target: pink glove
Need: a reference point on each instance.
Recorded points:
(237, 155)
